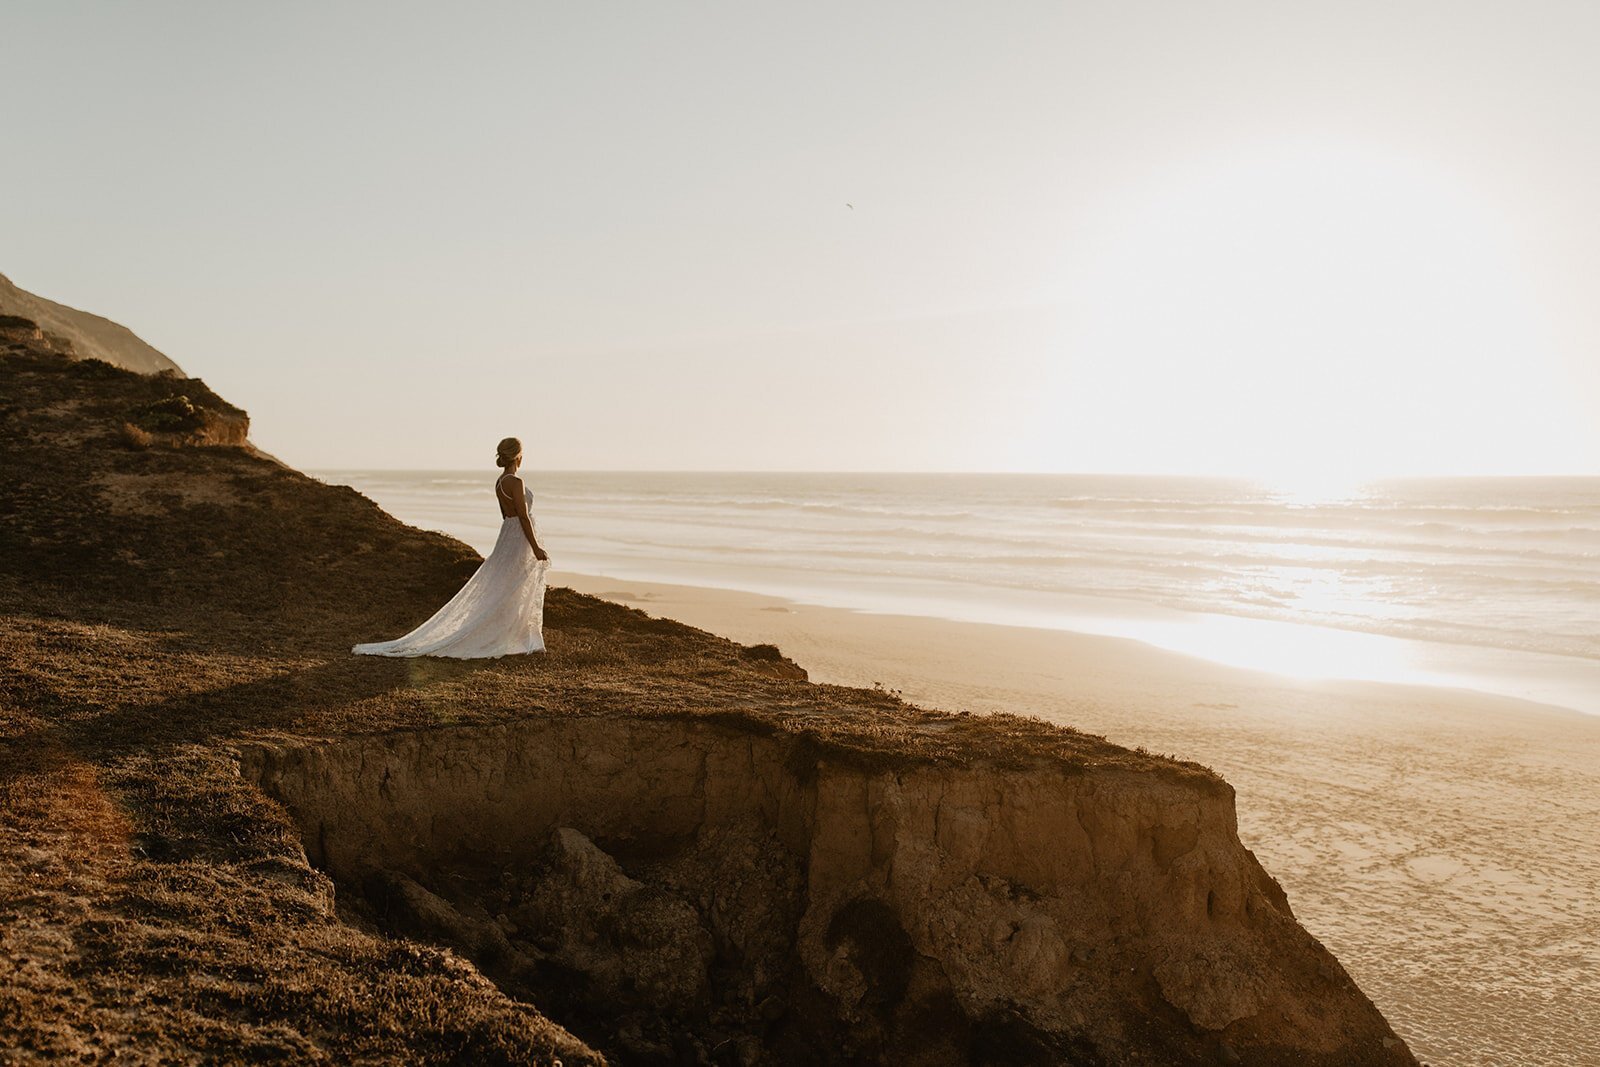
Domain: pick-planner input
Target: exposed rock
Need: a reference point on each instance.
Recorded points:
(635, 944)
(175, 419)
(19, 332)
(750, 890)
(1212, 989)
(413, 909)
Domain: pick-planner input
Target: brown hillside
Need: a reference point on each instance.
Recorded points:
(181, 724)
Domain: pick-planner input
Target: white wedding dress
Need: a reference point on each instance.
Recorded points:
(499, 612)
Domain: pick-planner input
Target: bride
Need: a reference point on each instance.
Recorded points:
(500, 611)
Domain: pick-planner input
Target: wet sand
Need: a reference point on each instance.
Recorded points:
(1444, 844)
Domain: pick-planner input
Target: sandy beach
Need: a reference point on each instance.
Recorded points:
(1444, 844)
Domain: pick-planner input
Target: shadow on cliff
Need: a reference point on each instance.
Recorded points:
(277, 700)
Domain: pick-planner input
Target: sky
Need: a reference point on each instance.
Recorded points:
(1307, 242)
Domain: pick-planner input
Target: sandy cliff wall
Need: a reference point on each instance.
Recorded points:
(950, 913)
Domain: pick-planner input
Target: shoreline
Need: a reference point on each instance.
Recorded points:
(1283, 605)
(730, 603)
(1279, 647)
(1443, 843)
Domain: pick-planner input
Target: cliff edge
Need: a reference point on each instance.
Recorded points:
(222, 837)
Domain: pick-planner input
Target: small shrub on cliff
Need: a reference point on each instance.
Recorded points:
(134, 437)
(98, 369)
(172, 414)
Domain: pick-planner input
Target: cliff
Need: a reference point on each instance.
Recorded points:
(845, 909)
(223, 837)
(82, 335)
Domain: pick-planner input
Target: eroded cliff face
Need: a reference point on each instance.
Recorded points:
(730, 895)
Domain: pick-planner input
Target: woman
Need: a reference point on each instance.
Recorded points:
(500, 611)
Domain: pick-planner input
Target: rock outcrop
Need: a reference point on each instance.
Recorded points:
(19, 334)
(177, 420)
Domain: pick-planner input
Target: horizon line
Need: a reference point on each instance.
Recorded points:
(1270, 479)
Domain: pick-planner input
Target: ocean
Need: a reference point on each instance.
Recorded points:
(1482, 583)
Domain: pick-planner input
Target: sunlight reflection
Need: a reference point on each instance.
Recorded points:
(1306, 487)
(1323, 653)
(1282, 648)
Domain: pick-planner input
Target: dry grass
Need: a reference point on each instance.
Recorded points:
(134, 437)
(158, 604)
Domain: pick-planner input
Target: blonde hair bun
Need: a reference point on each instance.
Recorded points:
(507, 452)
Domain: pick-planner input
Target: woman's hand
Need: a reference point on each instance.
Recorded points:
(540, 554)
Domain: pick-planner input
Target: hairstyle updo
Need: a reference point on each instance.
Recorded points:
(507, 452)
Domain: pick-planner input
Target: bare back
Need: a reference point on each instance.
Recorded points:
(508, 492)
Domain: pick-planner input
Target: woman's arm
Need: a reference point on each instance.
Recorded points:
(520, 499)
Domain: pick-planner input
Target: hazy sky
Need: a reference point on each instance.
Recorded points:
(1312, 240)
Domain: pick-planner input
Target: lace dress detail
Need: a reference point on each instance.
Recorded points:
(499, 612)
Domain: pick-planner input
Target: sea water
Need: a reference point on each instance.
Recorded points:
(1492, 583)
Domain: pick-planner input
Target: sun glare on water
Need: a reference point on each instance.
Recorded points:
(1315, 488)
